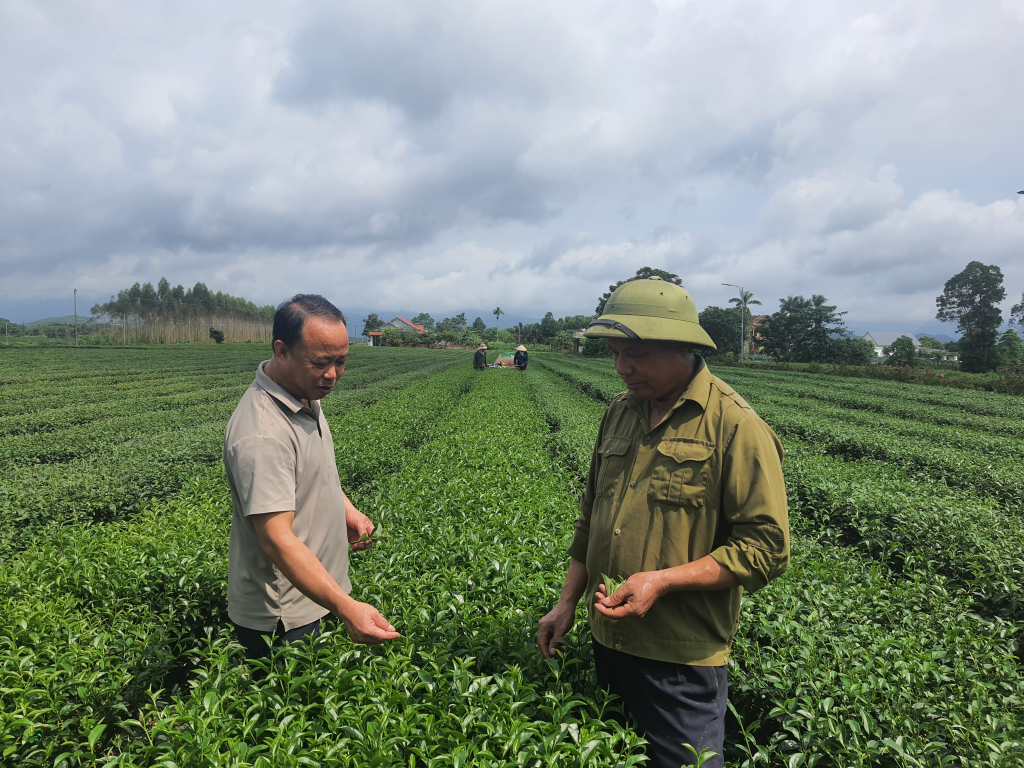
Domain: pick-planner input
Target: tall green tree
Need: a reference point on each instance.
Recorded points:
(723, 326)
(901, 352)
(548, 327)
(970, 298)
(372, 322)
(641, 274)
(425, 320)
(479, 326)
(497, 312)
(929, 342)
(574, 322)
(1017, 313)
(852, 351)
(804, 330)
(1010, 349)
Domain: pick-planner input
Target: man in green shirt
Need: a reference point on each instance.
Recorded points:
(685, 500)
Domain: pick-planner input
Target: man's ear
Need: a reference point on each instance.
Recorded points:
(280, 348)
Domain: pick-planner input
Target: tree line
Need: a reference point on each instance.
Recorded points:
(168, 314)
(557, 333)
(813, 331)
(810, 330)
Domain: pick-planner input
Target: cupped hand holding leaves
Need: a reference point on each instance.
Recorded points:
(631, 598)
(359, 529)
(366, 625)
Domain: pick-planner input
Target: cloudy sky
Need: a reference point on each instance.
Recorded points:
(448, 156)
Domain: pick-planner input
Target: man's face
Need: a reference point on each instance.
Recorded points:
(651, 370)
(310, 369)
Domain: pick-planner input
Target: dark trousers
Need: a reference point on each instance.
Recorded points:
(255, 641)
(672, 704)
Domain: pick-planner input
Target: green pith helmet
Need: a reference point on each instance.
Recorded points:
(651, 309)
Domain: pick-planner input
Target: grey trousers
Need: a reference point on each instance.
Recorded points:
(672, 704)
(255, 641)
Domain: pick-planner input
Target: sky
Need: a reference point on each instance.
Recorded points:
(447, 156)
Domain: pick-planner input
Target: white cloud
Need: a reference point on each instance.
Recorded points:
(423, 155)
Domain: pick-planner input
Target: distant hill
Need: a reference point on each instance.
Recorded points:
(67, 319)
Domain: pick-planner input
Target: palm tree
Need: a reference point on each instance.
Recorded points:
(745, 298)
(497, 315)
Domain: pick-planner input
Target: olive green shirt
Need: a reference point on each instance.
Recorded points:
(706, 480)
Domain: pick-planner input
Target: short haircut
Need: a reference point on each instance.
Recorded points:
(292, 314)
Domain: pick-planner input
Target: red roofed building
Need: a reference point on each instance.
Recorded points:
(404, 325)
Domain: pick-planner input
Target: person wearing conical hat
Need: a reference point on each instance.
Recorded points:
(685, 501)
(480, 357)
(521, 358)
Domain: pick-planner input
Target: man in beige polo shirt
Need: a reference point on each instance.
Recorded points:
(291, 523)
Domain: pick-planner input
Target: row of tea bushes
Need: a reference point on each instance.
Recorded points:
(846, 660)
(473, 550)
(99, 619)
(107, 466)
(970, 460)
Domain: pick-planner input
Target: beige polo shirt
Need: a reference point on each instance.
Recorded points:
(279, 457)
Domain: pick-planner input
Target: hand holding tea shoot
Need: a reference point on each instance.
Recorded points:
(610, 584)
(370, 538)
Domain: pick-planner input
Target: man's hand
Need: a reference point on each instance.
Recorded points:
(358, 525)
(560, 620)
(553, 627)
(301, 568)
(633, 599)
(365, 624)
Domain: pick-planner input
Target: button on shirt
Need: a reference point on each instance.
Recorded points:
(706, 481)
(279, 457)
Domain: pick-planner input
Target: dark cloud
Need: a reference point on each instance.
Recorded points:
(418, 62)
(430, 152)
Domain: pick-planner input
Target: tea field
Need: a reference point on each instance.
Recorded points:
(893, 640)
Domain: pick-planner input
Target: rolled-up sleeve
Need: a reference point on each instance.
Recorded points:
(754, 506)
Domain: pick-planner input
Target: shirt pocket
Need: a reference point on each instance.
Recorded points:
(679, 477)
(613, 463)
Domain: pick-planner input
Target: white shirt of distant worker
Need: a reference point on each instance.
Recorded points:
(291, 523)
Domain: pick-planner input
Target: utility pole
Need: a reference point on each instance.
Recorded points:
(76, 317)
(743, 318)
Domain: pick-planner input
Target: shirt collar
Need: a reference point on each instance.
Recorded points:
(699, 391)
(276, 391)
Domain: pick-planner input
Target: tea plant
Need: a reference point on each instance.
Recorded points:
(866, 654)
(893, 639)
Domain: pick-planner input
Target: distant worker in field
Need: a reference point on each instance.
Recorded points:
(685, 501)
(521, 358)
(480, 357)
(291, 523)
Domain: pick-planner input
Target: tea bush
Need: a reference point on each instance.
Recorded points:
(100, 445)
(894, 637)
(893, 640)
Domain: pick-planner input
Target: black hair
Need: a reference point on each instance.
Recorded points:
(291, 316)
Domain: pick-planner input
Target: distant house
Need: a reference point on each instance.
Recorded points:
(755, 342)
(404, 325)
(400, 323)
(883, 339)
